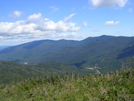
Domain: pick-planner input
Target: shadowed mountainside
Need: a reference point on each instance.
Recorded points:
(107, 52)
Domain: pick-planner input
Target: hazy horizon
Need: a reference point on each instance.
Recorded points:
(58, 40)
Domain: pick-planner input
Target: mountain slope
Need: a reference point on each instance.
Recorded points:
(37, 49)
(103, 51)
(127, 52)
(11, 71)
(33, 49)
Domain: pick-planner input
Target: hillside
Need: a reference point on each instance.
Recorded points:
(114, 86)
(127, 52)
(14, 72)
(106, 52)
(32, 51)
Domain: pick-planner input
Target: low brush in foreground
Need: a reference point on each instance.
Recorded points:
(114, 86)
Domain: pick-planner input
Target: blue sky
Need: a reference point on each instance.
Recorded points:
(23, 21)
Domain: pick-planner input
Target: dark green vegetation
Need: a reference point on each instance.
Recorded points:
(113, 86)
(105, 52)
(13, 72)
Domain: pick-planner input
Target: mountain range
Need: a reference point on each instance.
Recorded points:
(103, 52)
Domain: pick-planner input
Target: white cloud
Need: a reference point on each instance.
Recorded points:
(130, 10)
(36, 27)
(108, 3)
(112, 23)
(54, 9)
(60, 26)
(85, 24)
(69, 17)
(16, 14)
(34, 17)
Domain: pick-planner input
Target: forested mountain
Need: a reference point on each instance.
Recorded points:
(105, 52)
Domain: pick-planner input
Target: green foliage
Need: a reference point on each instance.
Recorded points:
(114, 86)
(13, 72)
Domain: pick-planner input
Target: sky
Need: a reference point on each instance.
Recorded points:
(22, 21)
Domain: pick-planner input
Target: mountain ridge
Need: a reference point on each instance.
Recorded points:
(93, 50)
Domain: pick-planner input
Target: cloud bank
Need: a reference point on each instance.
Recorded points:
(36, 26)
(107, 3)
